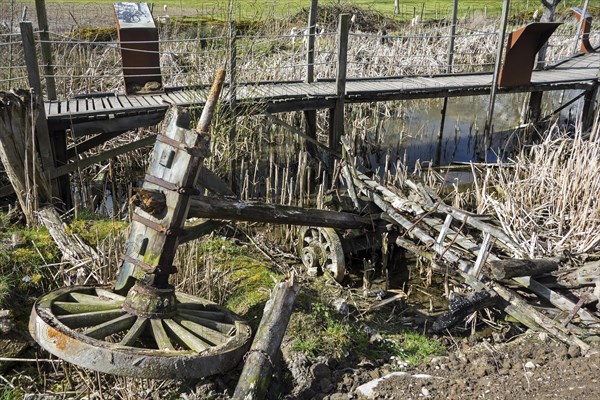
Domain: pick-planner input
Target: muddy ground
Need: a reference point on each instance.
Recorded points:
(531, 366)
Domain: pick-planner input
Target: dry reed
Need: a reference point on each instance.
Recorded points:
(547, 199)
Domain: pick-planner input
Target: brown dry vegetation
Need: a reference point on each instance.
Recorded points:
(531, 194)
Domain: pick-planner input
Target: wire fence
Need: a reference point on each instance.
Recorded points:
(189, 54)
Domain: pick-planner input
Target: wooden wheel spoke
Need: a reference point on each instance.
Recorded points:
(207, 334)
(212, 315)
(67, 307)
(90, 299)
(185, 337)
(82, 320)
(109, 295)
(227, 329)
(134, 332)
(160, 335)
(110, 327)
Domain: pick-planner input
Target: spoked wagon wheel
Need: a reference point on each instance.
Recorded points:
(151, 333)
(321, 248)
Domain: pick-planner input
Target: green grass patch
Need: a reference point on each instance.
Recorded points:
(10, 394)
(317, 330)
(233, 274)
(264, 9)
(93, 231)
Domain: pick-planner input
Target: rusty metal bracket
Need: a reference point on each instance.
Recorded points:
(171, 186)
(193, 151)
(585, 46)
(523, 44)
(156, 226)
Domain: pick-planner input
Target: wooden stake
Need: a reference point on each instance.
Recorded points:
(256, 375)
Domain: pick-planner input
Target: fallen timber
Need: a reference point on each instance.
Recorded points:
(426, 228)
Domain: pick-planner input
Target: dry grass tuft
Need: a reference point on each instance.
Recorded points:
(548, 199)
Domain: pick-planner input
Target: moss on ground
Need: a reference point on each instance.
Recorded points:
(238, 276)
(316, 329)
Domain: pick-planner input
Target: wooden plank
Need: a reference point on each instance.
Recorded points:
(237, 210)
(86, 162)
(484, 253)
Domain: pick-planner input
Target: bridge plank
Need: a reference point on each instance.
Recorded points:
(576, 73)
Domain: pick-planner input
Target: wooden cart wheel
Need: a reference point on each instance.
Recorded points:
(92, 327)
(321, 248)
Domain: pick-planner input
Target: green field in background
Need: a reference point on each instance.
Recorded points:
(259, 9)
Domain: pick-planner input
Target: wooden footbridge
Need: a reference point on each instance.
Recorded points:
(109, 112)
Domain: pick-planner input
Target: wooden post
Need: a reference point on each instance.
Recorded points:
(48, 64)
(488, 128)
(18, 153)
(534, 114)
(62, 184)
(174, 170)
(336, 129)
(258, 368)
(33, 69)
(232, 105)
(438, 151)
(588, 112)
(310, 116)
(33, 74)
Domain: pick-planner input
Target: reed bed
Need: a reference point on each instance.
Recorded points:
(547, 198)
(190, 52)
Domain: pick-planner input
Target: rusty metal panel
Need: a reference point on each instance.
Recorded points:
(523, 44)
(138, 41)
(585, 46)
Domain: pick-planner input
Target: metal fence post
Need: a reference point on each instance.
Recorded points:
(488, 129)
(438, 150)
(232, 104)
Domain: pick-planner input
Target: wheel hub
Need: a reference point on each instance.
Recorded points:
(321, 249)
(313, 257)
(150, 302)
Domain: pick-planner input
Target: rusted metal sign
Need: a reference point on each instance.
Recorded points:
(585, 46)
(523, 44)
(138, 41)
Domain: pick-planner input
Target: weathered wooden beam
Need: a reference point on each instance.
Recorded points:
(18, 151)
(505, 269)
(86, 162)
(237, 210)
(90, 143)
(174, 170)
(258, 368)
(527, 314)
(461, 307)
(197, 229)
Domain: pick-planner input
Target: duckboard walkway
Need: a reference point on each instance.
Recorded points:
(110, 112)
